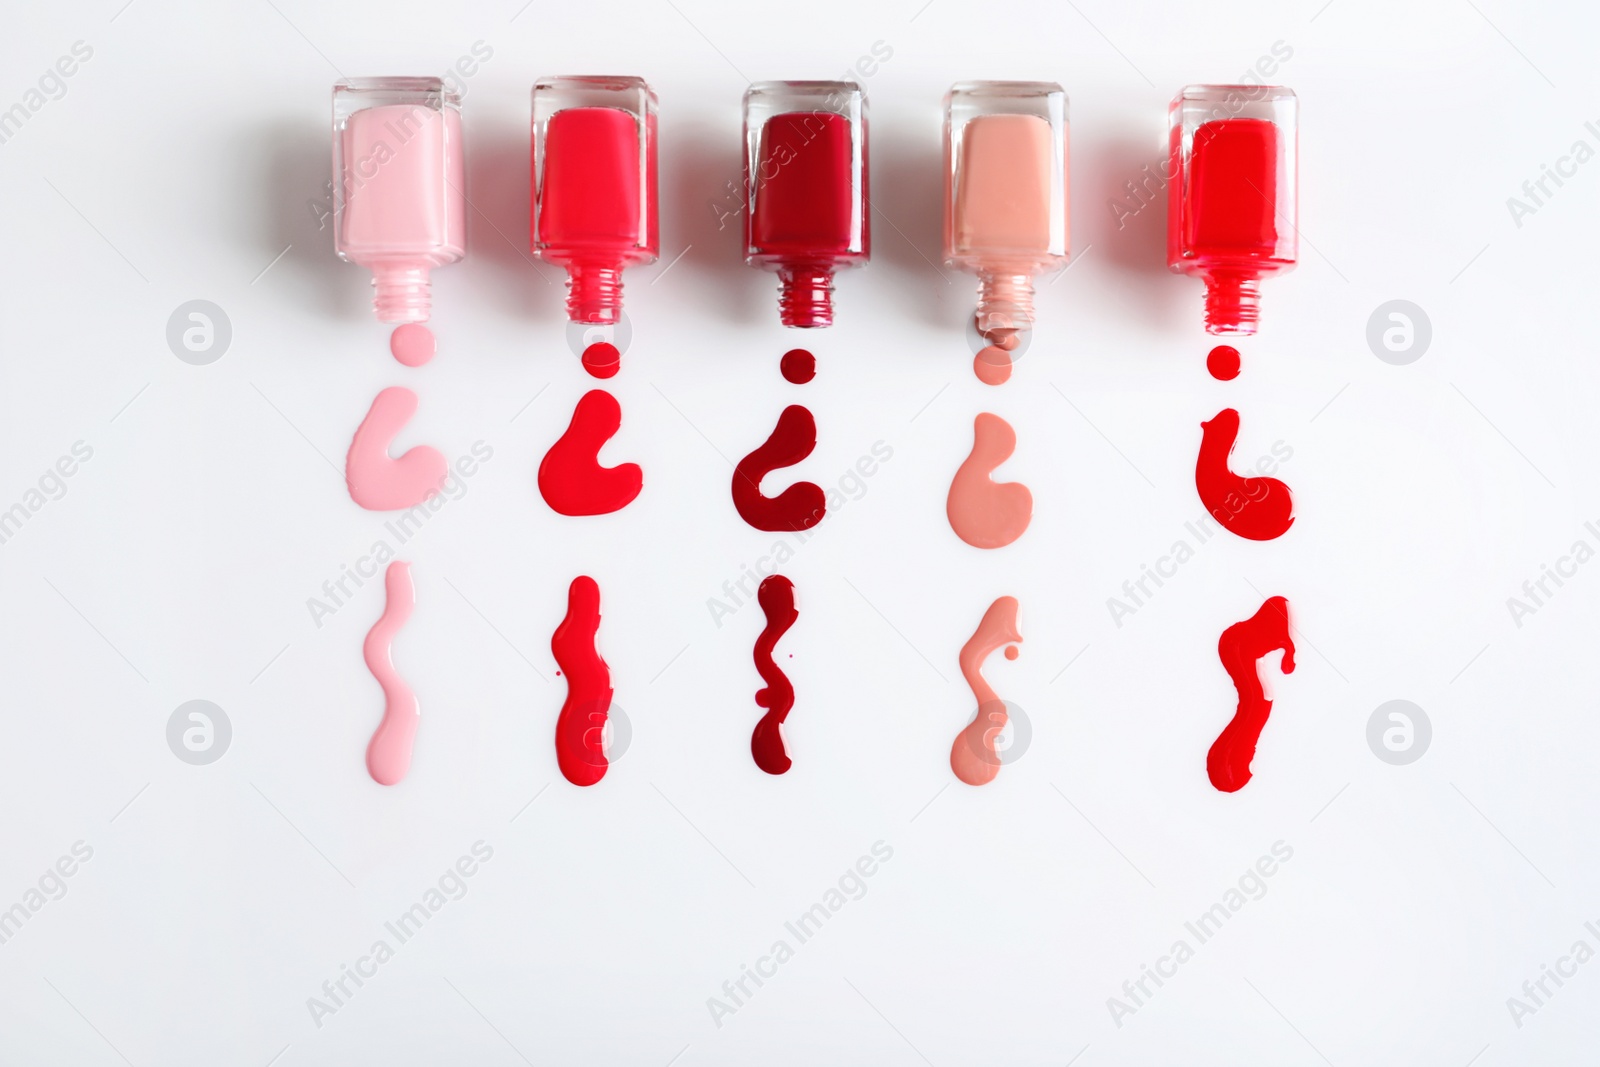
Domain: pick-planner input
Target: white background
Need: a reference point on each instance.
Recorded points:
(192, 149)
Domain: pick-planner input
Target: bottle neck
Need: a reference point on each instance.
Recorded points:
(805, 297)
(594, 294)
(1005, 302)
(1233, 303)
(401, 294)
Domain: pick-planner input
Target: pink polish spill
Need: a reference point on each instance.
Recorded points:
(389, 752)
(379, 482)
(974, 756)
(1223, 363)
(1241, 646)
(985, 513)
(580, 728)
(571, 479)
(776, 596)
(798, 366)
(602, 360)
(412, 344)
(803, 504)
(1257, 508)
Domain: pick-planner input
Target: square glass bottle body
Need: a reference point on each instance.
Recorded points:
(594, 206)
(1005, 192)
(1232, 198)
(805, 179)
(399, 179)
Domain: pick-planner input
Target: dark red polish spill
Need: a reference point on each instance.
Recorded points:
(1223, 363)
(1241, 647)
(776, 596)
(803, 504)
(571, 478)
(1257, 508)
(602, 360)
(580, 728)
(798, 366)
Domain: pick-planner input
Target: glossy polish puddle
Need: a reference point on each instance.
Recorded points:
(571, 479)
(378, 481)
(1241, 646)
(776, 596)
(985, 513)
(581, 726)
(803, 504)
(602, 360)
(389, 752)
(798, 366)
(1256, 508)
(1222, 363)
(974, 757)
(412, 344)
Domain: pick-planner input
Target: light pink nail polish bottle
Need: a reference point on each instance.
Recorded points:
(398, 179)
(1005, 194)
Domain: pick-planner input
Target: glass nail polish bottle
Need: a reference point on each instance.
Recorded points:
(805, 179)
(1005, 217)
(1231, 217)
(594, 186)
(398, 182)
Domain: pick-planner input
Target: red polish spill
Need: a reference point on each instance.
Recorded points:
(602, 360)
(1240, 647)
(798, 366)
(580, 729)
(776, 596)
(1223, 363)
(571, 478)
(412, 343)
(1257, 508)
(803, 504)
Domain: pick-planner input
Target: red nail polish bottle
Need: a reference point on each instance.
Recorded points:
(805, 175)
(594, 186)
(1231, 216)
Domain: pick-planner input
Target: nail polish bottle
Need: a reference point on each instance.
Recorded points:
(594, 186)
(805, 179)
(1005, 218)
(1231, 215)
(399, 206)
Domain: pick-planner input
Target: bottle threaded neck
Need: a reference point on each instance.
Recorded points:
(1233, 304)
(594, 294)
(805, 297)
(1005, 302)
(402, 294)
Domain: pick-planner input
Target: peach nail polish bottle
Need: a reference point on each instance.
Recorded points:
(1005, 220)
(398, 180)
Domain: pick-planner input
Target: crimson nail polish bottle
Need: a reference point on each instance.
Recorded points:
(805, 177)
(1231, 216)
(594, 186)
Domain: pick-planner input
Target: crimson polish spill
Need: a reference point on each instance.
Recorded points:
(1240, 648)
(580, 728)
(602, 360)
(798, 366)
(803, 504)
(1256, 508)
(776, 596)
(571, 479)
